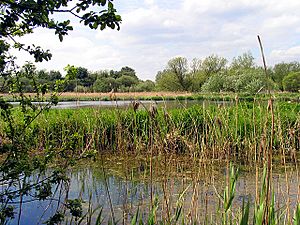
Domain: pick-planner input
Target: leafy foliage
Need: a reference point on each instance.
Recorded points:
(281, 70)
(18, 162)
(213, 64)
(213, 75)
(123, 80)
(249, 81)
(215, 83)
(291, 82)
(243, 62)
(179, 67)
(147, 85)
(167, 81)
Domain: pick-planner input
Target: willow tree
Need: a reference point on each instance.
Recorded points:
(179, 67)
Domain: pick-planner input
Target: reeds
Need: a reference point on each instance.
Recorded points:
(239, 131)
(223, 202)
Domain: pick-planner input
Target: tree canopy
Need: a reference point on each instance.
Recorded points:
(215, 74)
(291, 82)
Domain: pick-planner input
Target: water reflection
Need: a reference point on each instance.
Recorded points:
(128, 104)
(127, 186)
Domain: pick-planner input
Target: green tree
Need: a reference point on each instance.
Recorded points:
(243, 62)
(291, 82)
(196, 65)
(55, 75)
(215, 83)
(213, 64)
(25, 77)
(210, 66)
(85, 78)
(126, 82)
(105, 84)
(144, 86)
(48, 78)
(197, 79)
(167, 81)
(248, 81)
(82, 73)
(114, 74)
(195, 75)
(281, 70)
(18, 18)
(127, 71)
(42, 74)
(101, 74)
(179, 67)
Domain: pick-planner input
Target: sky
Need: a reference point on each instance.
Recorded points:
(154, 31)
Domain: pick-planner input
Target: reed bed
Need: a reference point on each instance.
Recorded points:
(239, 132)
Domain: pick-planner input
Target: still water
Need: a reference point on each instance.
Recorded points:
(128, 104)
(126, 185)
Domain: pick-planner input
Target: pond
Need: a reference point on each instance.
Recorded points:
(128, 104)
(126, 184)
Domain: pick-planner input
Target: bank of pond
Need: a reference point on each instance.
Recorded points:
(156, 96)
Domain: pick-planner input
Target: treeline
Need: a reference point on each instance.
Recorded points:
(212, 74)
(124, 80)
(215, 74)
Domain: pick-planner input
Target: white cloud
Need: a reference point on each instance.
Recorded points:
(290, 54)
(149, 2)
(154, 31)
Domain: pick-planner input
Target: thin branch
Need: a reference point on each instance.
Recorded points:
(30, 186)
(74, 14)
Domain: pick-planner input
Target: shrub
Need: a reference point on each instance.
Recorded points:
(292, 82)
(215, 83)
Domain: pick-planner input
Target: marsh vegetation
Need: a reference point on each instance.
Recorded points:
(204, 164)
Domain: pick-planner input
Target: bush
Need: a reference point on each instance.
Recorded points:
(145, 86)
(80, 88)
(215, 83)
(292, 82)
(127, 81)
(105, 84)
(248, 81)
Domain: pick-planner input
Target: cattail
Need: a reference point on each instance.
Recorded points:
(166, 115)
(153, 110)
(236, 98)
(135, 105)
(270, 103)
(218, 122)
